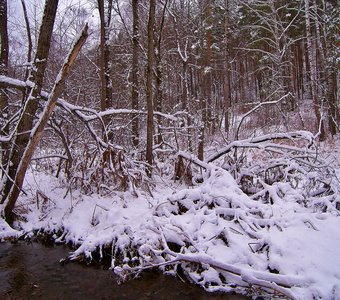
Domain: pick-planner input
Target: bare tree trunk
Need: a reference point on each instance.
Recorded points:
(208, 67)
(159, 94)
(38, 129)
(105, 63)
(206, 101)
(3, 92)
(29, 37)
(227, 83)
(26, 122)
(182, 51)
(327, 72)
(159, 76)
(334, 116)
(149, 97)
(313, 71)
(135, 65)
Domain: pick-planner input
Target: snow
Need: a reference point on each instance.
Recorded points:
(6, 232)
(311, 252)
(282, 246)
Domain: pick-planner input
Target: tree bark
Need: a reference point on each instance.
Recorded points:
(29, 37)
(206, 102)
(149, 97)
(3, 92)
(158, 105)
(135, 65)
(30, 107)
(227, 83)
(37, 131)
(334, 116)
(105, 63)
(313, 72)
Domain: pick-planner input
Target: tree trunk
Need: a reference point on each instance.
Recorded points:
(3, 92)
(159, 94)
(208, 67)
(206, 101)
(38, 129)
(105, 63)
(134, 75)
(334, 118)
(313, 71)
(29, 37)
(227, 83)
(158, 105)
(149, 97)
(30, 107)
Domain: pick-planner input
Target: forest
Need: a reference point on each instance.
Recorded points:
(198, 137)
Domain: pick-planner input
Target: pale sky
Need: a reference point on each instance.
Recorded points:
(17, 28)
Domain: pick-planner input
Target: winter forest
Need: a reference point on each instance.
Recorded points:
(196, 137)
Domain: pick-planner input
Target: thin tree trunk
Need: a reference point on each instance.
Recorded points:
(159, 77)
(135, 65)
(313, 71)
(149, 96)
(3, 92)
(326, 76)
(205, 103)
(184, 80)
(159, 95)
(208, 66)
(334, 116)
(327, 73)
(29, 37)
(227, 85)
(105, 63)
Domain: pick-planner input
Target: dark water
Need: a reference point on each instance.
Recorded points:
(33, 271)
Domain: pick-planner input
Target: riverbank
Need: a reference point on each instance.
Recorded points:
(280, 241)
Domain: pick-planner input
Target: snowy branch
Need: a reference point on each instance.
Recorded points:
(253, 142)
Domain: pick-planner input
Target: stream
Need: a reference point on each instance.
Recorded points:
(33, 271)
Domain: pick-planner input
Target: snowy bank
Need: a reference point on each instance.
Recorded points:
(221, 238)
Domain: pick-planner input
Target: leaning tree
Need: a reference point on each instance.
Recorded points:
(34, 112)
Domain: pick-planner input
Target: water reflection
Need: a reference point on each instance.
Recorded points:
(32, 271)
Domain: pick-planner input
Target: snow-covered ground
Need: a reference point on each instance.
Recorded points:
(223, 239)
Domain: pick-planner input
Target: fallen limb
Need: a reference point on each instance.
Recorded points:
(87, 114)
(254, 143)
(275, 282)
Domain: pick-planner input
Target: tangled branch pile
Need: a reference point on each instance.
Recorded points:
(220, 233)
